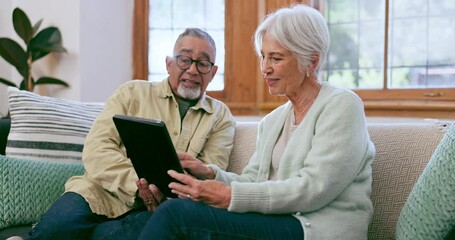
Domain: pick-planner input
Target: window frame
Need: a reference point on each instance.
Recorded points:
(140, 39)
(438, 102)
(245, 95)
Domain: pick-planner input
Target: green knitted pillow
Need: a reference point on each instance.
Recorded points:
(29, 187)
(429, 212)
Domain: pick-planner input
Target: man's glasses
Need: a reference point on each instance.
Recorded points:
(184, 62)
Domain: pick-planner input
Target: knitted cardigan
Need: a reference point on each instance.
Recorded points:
(324, 176)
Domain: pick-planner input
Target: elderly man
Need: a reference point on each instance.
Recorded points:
(108, 201)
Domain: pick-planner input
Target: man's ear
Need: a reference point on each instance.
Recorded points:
(168, 63)
(214, 70)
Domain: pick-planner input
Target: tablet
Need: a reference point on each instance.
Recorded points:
(150, 149)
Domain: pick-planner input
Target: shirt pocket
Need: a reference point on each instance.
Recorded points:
(197, 144)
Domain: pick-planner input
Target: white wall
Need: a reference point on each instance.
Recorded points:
(5, 69)
(97, 35)
(106, 52)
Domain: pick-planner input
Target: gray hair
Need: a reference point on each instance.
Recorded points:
(298, 28)
(199, 33)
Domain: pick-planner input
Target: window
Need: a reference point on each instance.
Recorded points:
(356, 58)
(417, 37)
(169, 18)
(408, 40)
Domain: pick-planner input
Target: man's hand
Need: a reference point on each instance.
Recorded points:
(195, 167)
(150, 194)
(211, 192)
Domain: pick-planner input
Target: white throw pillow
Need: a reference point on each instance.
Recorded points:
(45, 128)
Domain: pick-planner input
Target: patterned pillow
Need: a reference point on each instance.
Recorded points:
(29, 187)
(45, 128)
(429, 212)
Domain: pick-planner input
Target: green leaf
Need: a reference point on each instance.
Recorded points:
(22, 25)
(23, 85)
(6, 82)
(37, 55)
(36, 26)
(48, 40)
(13, 53)
(50, 80)
(23, 71)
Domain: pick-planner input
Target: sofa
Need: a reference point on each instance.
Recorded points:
(403, 153)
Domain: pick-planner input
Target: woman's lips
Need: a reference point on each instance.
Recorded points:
(271, 81)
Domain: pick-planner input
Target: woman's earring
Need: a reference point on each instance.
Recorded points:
(307, 74)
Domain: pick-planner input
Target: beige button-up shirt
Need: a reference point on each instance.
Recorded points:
(108, 184)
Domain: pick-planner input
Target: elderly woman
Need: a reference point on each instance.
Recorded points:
(310, 177)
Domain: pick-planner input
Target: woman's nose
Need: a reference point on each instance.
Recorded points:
(265, 67)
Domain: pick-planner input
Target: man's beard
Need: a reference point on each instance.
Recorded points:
(188, 93)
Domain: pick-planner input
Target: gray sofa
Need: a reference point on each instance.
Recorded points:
(403, 151)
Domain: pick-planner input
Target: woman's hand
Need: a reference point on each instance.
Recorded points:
(211, 192)
(150, 194)
(195, 167)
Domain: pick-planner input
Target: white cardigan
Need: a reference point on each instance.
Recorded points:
(324, 176)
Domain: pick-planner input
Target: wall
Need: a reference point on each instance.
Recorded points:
(5, 70)
(97, 35)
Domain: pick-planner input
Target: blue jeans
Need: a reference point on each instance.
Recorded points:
(70, 217)
(186, 219)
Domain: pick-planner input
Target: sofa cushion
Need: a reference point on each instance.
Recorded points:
(29, 187)
(402, 152)
(244, 146)
(429, 212)
(45, 128)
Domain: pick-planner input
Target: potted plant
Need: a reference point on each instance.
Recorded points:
(38, 45)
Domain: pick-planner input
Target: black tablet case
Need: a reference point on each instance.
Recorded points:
(150, 149)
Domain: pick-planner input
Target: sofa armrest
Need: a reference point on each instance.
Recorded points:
(5, 126)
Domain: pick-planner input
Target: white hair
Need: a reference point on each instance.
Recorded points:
(188, 93)
(298, 28)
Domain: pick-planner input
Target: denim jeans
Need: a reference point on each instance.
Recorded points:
(186, 219)
(70, 217)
